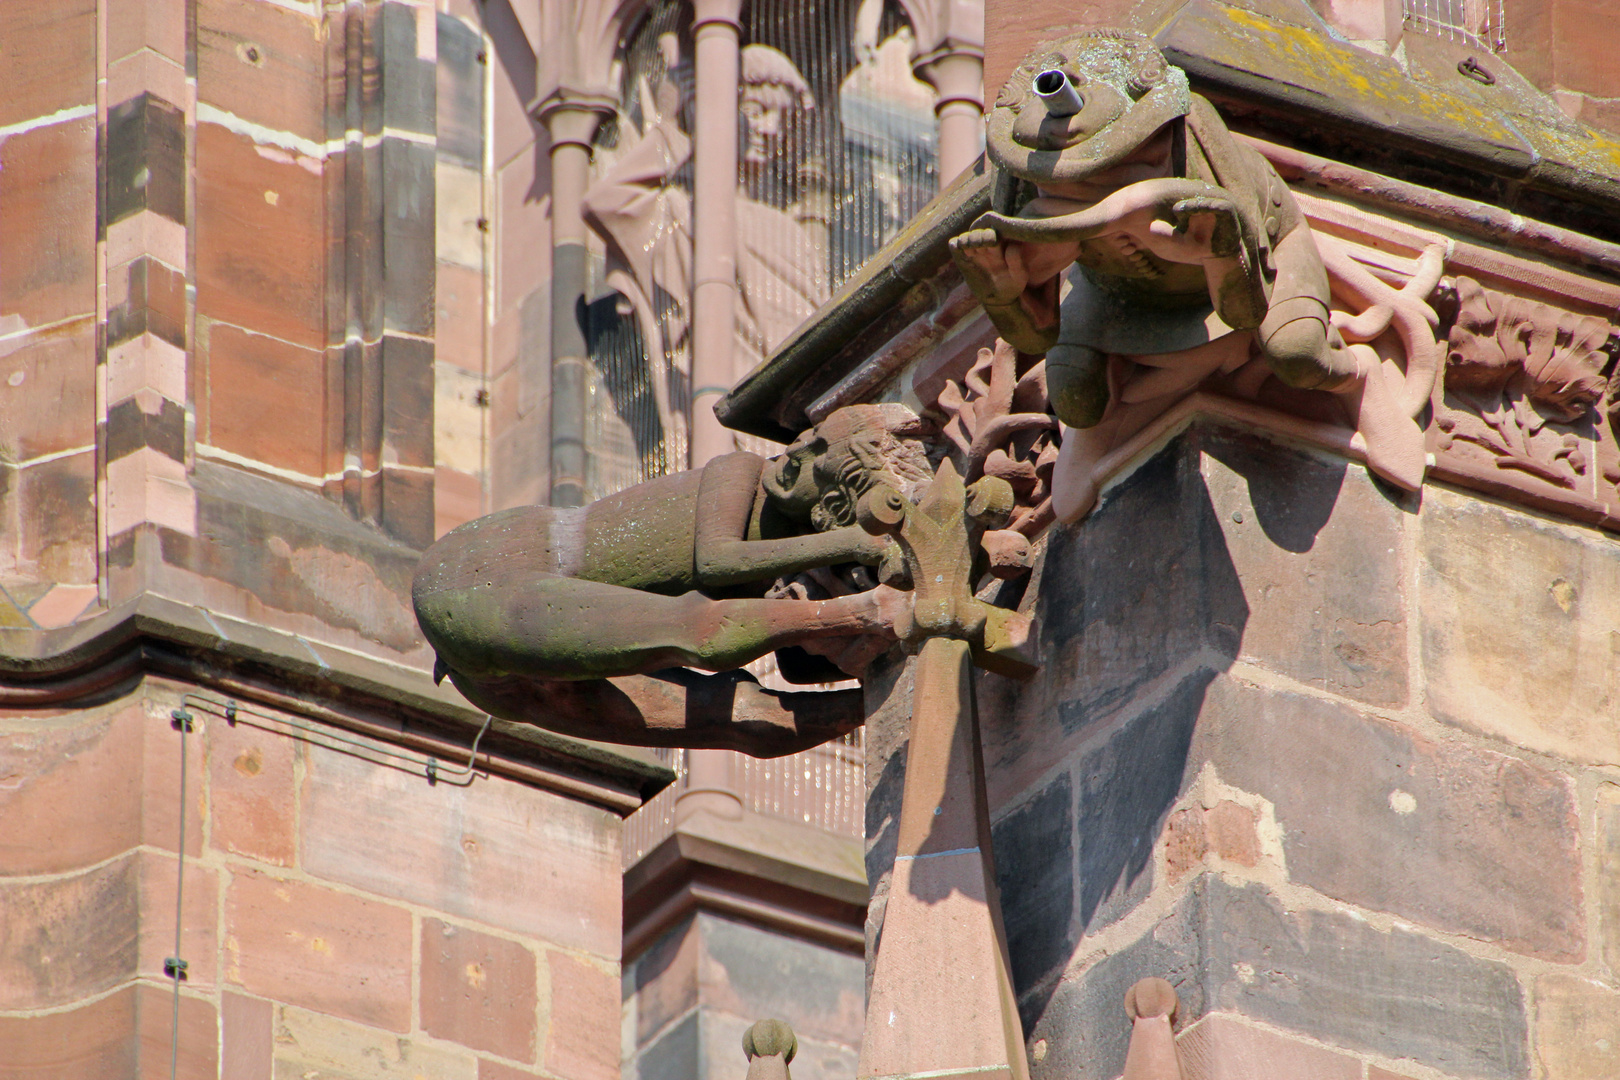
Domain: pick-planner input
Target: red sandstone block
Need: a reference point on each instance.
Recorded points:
(1234, 832)
(199, 939)
(1586, 37)
(146, 71)
(48, 390)
(459, 320)
(247, 371)
(93, 1041)
(66, 938)
(583, 1043)
(260, 243)
(494, 1070)
(667, 981)
(48, 217)
(478, 990)
(1186, 842)
(250, 774)
(457, 499)
(522, 232)
(56, 507)
(48, 52)
(245, 1033)
(1222, 1048)
(160, 780)
(319, 949)
(1375, 1073)
(196, 1038)
(264, 63)
(72, 798)
(159, 25)
(496, 852)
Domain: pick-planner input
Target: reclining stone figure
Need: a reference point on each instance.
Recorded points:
(1188, 250)
(673, 572)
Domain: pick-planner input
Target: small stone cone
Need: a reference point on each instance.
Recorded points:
(1152, 1005)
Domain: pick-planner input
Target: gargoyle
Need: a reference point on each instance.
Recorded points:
(674, 572)
(1189, 253)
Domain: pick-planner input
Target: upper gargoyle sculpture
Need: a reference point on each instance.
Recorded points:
(1189, 253)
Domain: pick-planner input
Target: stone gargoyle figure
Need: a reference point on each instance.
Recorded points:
(1189, 254)
(675, 573)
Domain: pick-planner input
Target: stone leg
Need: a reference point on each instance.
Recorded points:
(553, 627)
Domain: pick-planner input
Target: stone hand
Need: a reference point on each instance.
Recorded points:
(994, 271)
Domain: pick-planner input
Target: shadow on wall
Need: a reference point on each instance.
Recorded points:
(1143, 610)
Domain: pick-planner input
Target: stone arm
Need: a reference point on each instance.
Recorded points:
(723, 555)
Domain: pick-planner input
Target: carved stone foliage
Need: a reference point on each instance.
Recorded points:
(1528, 387)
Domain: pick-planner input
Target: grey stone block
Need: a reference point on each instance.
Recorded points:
(1034, 852)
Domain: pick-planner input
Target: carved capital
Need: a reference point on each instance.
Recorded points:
(572, 119)
(956, 75)
(944, 28)
(728, 12)
(574, 61)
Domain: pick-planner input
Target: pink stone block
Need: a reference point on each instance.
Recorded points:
(62, 605)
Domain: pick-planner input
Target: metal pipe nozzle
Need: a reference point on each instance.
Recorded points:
(1054, 87)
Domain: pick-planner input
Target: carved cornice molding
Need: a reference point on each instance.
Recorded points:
(944, 28)
(574, 60)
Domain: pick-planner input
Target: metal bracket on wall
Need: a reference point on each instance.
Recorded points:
(432, 769)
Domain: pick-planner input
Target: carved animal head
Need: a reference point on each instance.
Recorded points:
(821, 477)
(1558, 358)
(1084, 104)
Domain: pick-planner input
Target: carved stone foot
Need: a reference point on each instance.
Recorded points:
(1392, 440)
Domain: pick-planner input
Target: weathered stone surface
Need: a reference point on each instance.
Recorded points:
(56, 509)
(1318, 550)
(318, 948)
(146, 159)
(244, 370)
(1147, 585)
(1035, 872)
(199, 941)
(674, 1056)
(1608, 876)
(140, 24)
(757, 973)
(50, 407)
(482, 852)
(1228, 830)
(1577, 1028)
(48, 215)
(74, 787)
(583, 1040)
(458, 293)
(1525, 656)
(1223, 1047)
(49, 54)
(66, 938)
(311, 1046)
(265, 64)
(245, 1036)
(1337, 978)
(478, 990)
(194, 1044)
(665, 980)
(496, 1070)
(261, 249)
(1452, 837)
(160, 778)
(250, 774)
(94, 1040)
(460, 95)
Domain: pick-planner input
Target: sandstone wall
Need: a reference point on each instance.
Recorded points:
(1341, 764)
(341, 915)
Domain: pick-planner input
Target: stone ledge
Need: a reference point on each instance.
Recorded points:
(154, 635)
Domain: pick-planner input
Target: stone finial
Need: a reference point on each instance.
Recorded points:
(770, 1045)
(1151, 1004)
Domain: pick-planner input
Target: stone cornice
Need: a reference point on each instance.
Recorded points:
(153, 636)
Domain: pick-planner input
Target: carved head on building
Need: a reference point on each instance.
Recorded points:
(1084, 105)
(822, 476)
(771, 94)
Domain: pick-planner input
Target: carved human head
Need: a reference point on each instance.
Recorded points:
(770, 91)
(821, 477)
(1084, 104)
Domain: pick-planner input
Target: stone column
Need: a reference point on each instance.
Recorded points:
(949, 56)
(714, 221)
(957, 76)
(572, 125)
